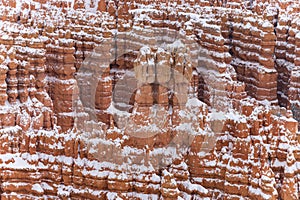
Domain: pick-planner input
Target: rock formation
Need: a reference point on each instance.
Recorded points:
(194, 99)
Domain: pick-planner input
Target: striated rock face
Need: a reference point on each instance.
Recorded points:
(194, 99)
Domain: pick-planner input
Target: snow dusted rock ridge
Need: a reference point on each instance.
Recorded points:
(149, 99)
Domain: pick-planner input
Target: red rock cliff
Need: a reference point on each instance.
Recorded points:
(192, 99)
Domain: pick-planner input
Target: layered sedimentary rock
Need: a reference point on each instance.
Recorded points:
(149, 100)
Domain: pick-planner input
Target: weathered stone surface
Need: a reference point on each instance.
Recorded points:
(207, 75)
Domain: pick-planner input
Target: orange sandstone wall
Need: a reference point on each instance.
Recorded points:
(239, 58)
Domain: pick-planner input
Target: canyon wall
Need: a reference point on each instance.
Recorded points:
(149, 99)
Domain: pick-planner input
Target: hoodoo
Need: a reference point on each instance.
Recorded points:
(146, 99)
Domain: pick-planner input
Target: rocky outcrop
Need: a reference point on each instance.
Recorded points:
(253, 44)
(147, 99)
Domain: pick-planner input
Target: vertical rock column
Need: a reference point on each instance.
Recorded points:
(214, 88)
(282, 66)
(12, 81)
(289, 188)
(103, 96)
(79, 49)
(267, 81)
(3, 85)
(294, 88)
(63, 86)
(23, 81)
(261, 176)
(23, 118)
(37, 60)
(253, 45)
(180, 77)
(236, 176)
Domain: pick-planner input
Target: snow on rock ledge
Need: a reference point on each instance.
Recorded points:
(222, 135)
